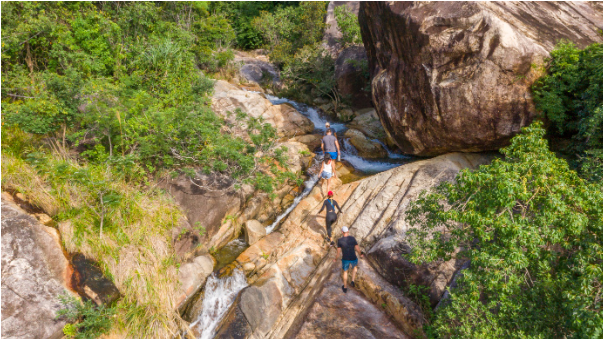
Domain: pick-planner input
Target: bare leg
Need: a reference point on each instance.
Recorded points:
(329, 184)
(354, 274)
(344, 278)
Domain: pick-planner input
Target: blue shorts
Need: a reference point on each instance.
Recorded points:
(348, 263)
(334, 155)
(326, 175)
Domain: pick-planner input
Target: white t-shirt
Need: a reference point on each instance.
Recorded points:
(328, 167)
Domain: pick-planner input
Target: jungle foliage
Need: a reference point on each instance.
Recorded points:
(123, 91)
(570, 96)
(100, 98)
(533, 232)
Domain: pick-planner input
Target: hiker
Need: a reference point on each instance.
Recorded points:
(332, 130)
(327, 170)
(330, 205)
(329, 144)
(347, 245)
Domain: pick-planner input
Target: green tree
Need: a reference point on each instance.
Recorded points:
(571, 97)
(288, 29)
(533, 232)
(348, 25)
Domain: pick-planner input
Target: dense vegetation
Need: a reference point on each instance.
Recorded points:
(531, 224)
(570, 96)
(533, 232)
(99, 99)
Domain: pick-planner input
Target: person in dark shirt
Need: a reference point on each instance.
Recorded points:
(347, 245)
(330, 205)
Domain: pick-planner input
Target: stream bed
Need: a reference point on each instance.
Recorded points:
(220, 292)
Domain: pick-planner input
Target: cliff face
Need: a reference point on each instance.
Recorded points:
(456, 76)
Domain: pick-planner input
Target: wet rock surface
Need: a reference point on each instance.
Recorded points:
(456, 76)
(287, 268)
(88, 280)
(34, 273)
(365, 147)
(336, 315)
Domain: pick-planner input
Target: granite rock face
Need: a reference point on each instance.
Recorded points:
(350, 77)
(287, 268)
(456, 76)
(34, 273)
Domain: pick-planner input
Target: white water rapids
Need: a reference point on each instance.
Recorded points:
(219, 294)
(348, 152)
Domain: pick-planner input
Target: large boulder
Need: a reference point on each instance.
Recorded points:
(456, 76)
(254, 231)
(368, 122)
(192, 277)
(228, 98)
(365, 147)
(34, 273)
(351, 77)
(257, 69)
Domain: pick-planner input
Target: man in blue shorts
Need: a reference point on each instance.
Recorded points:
(329, 144)
(347, 245)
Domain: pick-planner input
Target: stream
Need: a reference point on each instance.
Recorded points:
(220, 293)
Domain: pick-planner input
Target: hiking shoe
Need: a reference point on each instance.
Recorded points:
(353, 284)
(344, 289)
(331, 243)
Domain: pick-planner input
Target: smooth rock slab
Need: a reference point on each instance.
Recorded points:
(34, 273)
(336, 315)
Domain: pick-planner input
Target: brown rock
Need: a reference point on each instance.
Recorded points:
(34, 273)
(456, 76)
(287, 120)
(365, 147)
(313, 141)
(253, 231)
(351, 78)
(88, 280)
(192, 277)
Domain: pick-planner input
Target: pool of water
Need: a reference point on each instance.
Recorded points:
(229, 252)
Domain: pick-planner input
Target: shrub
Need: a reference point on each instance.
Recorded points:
(571, 97)
(349, 26)
(533, 231)
(86, 321)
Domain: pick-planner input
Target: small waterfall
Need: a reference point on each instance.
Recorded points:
(349, 153)
(219, 294)
(391, 154)
(309, 184)
(310, 112)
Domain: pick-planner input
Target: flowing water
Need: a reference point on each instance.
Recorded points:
(348, 152)
(219, 294)
(311, 113)
(309, 184)
(229, 252)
